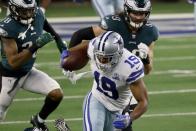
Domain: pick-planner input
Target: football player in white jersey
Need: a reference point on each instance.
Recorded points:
(118, 75)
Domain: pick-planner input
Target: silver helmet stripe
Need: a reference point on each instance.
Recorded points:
(103, 40)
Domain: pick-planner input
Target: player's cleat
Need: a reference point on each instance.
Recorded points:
(37, 124)
(61, 125)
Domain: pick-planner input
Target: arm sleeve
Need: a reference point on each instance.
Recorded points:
(60, 44)
(82, 34)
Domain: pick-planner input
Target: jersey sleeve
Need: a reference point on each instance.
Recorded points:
(8, 28)
(111, 22)
(149, 34)
(137, 68)
(155, 33)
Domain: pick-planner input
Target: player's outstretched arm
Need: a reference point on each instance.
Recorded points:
(59, 42)
(82, 34)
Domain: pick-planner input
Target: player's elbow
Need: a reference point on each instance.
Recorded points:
(14, 65)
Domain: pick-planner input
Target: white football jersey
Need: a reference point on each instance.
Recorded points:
(112, 89)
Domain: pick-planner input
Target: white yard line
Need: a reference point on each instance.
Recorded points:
(176, 114)
(144, 116)
(161, 47)
(95, 18)
(80, 96)
(56, 63)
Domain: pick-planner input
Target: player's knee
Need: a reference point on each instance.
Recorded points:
(56, 95)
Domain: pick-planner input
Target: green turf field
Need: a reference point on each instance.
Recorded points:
(171, 86)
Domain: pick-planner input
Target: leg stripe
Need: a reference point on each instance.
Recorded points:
(87, 121)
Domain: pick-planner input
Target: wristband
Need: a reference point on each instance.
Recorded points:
(146, 60)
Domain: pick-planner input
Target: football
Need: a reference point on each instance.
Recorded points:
(76, 60)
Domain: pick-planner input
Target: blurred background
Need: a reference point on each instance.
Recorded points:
(171, 85)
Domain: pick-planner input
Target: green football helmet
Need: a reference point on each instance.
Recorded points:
(138, 8)
(23, 10)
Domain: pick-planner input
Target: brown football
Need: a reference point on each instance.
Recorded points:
(76, 60)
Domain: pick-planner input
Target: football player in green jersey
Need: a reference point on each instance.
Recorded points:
(133, 25)
(21, 35)
(43, 4)
(138, 33)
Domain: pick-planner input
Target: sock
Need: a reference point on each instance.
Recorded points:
(49, 106)
(40, 119)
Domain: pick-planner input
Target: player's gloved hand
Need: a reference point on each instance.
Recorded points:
(41, 41)
(64, 54)
(142, 52)
(44, 39)
(71, 75)
(122, 121)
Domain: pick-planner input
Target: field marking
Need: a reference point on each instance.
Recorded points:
(57, 63)
(169, 47)
(176, 73)
(80, 96)
(80, 119)
(161, 47)
(175, 58)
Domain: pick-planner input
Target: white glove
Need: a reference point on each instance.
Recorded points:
(143, 50)
(71, 75)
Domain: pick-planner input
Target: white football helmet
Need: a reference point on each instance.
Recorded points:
(108, 49)
(137, 7)
(23, 10)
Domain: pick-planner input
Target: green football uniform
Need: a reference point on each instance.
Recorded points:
(146, 34)
(24, 35)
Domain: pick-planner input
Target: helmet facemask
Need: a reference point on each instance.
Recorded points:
(22, 11)
(137, 12)
(108, 50)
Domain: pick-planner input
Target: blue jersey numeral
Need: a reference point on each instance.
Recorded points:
(106, 86)
(132, 61)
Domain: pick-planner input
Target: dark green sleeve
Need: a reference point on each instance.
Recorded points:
(38, 2)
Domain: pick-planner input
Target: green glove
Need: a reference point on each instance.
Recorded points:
(44, 39)
(41, 41)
